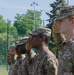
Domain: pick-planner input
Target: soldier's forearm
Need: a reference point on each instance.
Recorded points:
(58, 38)
(30, 56)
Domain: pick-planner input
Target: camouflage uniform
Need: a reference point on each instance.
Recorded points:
(19, 67)
(10, 69)
(23, 68)
(10, 59)
(15, 67)
(66, 58)
(66, 53)
(20, 58)
(44, 63)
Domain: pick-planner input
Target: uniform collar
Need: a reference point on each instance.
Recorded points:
(66, 42)
(40, 55)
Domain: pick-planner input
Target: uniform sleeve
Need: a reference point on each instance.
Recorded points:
(50, 67)
(25, 69)
(30, 56)
(15, 72)
(58, 38)
(29, 60)
(72, 47)
(15, 68)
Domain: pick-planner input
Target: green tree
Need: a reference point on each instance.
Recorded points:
(13, 31)
(25, 23)
(54, 13)
(2, 39)
(13, 34)
(3, 46)
(2, 25)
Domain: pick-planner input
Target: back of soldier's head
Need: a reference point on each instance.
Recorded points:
(20, 46)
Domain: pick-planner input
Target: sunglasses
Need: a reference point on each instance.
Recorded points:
(35, 36)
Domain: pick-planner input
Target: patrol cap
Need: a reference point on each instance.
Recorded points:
(41, 32)
(12, 45)
(66, 12)
(22, 40)
(16, 42)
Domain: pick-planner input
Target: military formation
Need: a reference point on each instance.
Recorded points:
(23, 60)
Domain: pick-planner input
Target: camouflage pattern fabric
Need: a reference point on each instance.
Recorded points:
(15, 67)
(14, 70)
(66, 12)
(41, 32)
(22, 68)
(65, 56)
(10, 69)
(43, 64)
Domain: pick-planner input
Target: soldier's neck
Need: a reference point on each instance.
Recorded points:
(69, 35)
(42, 48)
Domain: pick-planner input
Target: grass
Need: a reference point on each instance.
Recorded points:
(3, 72)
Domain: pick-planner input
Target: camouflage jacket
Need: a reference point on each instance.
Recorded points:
(15, 67)
(65, 55)
(22, 67)
(10, 71)
(44, 63)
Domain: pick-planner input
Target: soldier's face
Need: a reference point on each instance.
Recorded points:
(35, 41)
(64, 25)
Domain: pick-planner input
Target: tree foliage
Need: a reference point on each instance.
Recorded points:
(25, 23)
(2, 25)
(54, 13)
(4, 28)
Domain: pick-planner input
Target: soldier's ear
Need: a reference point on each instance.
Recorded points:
(43, 38)
(72, 20)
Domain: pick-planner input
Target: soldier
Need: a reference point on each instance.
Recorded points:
(19, 50)
(13, 70)
(21, 61)
(11, 58)
(45, 62)
(63, 29)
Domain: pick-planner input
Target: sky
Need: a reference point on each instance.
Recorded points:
(9, 8)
